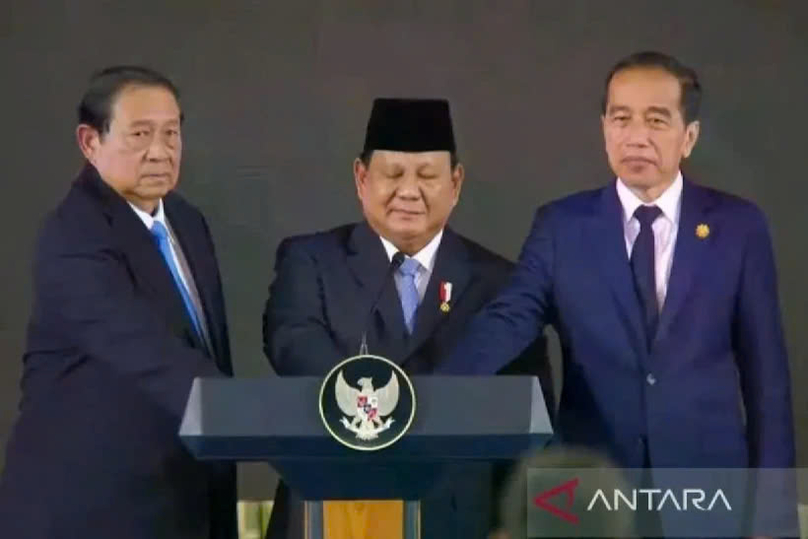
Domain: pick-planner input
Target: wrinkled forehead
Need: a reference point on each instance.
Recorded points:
(148, 105)
(388, 158)
(643, 88)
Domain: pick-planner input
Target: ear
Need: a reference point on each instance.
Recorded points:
(88, 139)
(458, 176)
(691, 136)
(360, 172)
(603, 125)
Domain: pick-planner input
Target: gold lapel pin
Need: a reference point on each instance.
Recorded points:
(702, 231)
(445, 296)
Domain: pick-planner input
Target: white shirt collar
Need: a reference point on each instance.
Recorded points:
(425, 257)
(670, 202)
(149, 219)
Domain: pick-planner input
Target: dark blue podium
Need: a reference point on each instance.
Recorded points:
(277, 420)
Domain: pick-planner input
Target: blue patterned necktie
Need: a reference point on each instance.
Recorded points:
(643, 268)
(160, 235)
(408, 292)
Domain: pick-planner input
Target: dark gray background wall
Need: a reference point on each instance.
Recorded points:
(276, 95)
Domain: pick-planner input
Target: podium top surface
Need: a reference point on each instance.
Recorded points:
(278, 419)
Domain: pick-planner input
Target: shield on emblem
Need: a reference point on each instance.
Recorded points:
(367, 402)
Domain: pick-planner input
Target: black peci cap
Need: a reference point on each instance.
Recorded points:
(410, 125)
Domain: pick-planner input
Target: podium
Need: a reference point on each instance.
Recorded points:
(277, 420)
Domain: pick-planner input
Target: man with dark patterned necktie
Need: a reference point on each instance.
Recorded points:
(664, 295)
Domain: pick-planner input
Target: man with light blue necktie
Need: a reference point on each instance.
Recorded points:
(128, 310)
(332, 288)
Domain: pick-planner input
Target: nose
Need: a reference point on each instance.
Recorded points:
(407, 187)
(157, 150)
(637, 134)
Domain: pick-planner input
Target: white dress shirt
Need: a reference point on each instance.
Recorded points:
(426, 257)
(665, 228)
(186, 275)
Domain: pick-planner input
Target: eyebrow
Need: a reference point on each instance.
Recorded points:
(396, 168)
(139, 123)
(660, 110)
(617, 108)
(150, 123)
(652, 110)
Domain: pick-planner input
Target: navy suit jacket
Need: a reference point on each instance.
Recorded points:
(318, 308)
(110, 358)
(713, 390)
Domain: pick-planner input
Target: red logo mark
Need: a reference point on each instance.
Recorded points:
(564, 514)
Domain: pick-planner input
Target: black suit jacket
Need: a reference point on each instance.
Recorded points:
(110, 358)
(318, 309)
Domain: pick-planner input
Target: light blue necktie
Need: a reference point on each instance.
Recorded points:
(160, 234)
(408, 292)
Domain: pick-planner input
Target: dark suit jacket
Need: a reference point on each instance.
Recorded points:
(713, 390)
(110, 358)
(316, 314)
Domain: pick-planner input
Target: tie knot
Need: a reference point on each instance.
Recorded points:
(646, 215)
(409, 267)
(159, 231)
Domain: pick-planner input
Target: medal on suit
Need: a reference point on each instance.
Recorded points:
(445, 296)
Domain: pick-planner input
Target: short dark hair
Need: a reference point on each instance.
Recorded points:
(689, 84)
(95, 108)
(366, 155)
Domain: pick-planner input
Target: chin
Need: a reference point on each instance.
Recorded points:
(407, 232)
(639, 180)
(154, 193)
(164, 185)
(404, 232)
(403, 222)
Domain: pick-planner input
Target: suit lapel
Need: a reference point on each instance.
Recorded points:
(141, 252)
(369, 265)
(192, 242)
(452, 266)
(607, 240)
(687, 254)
